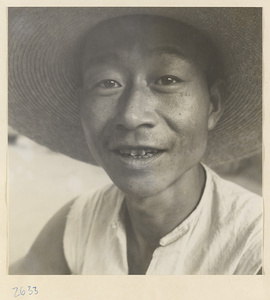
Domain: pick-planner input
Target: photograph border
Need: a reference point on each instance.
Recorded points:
(133, 287)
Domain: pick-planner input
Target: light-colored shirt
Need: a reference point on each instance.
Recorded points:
(223, 235)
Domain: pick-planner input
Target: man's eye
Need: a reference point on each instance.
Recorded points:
(167, 80)
(109, 84)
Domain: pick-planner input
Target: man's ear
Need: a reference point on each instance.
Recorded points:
(217, 97)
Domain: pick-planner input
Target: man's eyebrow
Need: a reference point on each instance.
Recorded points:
(169, 50)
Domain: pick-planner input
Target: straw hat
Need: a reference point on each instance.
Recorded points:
(43, 74)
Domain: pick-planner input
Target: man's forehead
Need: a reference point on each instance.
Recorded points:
(150, 34)
(159, 52)
(107, 41)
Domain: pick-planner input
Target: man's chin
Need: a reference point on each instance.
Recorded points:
(141, 189)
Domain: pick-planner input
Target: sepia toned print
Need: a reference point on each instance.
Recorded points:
(159, 98)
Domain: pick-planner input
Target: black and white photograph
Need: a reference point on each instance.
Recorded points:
(135, 141)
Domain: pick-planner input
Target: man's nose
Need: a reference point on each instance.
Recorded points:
(136, 109)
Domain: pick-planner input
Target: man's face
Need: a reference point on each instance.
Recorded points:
(145, 105)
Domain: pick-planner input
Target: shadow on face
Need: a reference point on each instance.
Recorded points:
(146, 100)
(149, 31)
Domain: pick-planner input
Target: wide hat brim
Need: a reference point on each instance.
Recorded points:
(43, 74)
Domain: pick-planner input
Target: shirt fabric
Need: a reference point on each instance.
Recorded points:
(223, 235)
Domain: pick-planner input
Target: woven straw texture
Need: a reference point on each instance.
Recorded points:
(43, 74)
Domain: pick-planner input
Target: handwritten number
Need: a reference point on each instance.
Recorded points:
(22, 292)
(15, 294)
(30, 291)
(35, 289)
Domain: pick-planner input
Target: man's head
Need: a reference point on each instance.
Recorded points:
(151, 91)
(44, 80)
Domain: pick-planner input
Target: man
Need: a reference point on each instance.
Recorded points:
(151, 90)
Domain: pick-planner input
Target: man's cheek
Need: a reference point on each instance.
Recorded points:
(193, 142)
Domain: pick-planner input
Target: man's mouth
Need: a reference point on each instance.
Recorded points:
(141, 153)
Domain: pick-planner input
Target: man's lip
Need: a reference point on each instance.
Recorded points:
(134, 151)
(139, 158)
(137, 147)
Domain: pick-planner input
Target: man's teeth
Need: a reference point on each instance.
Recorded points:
(138, 153)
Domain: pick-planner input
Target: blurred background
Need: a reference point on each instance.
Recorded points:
(42, 181)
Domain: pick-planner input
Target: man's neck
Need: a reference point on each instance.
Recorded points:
(152, 218)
